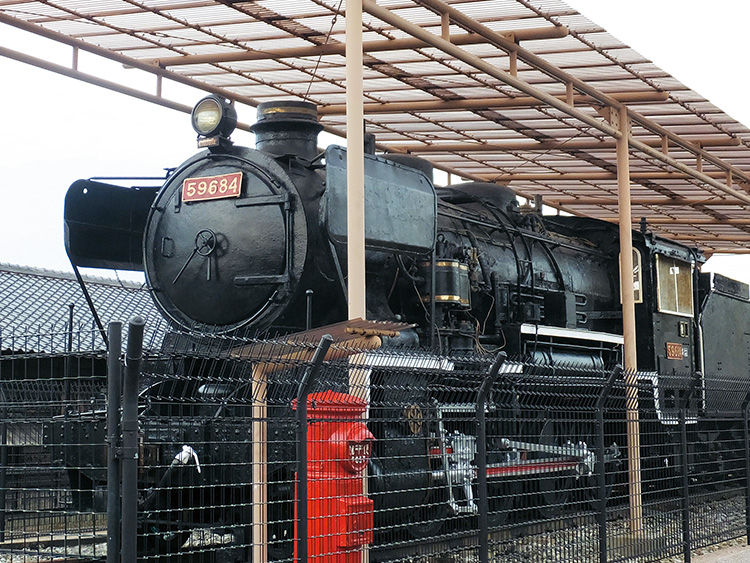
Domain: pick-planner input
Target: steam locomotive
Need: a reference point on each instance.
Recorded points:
(253, 241)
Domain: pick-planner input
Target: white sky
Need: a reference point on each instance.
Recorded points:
(57, 129)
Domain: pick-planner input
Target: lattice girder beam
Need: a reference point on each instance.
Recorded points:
(487, 103)
(406, 44)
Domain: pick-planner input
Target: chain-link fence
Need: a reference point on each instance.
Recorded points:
(401, 455)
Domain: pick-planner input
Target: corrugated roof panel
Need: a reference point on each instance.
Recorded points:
(35, 300)
(575, 141)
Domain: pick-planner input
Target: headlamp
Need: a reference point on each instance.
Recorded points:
(214, 116)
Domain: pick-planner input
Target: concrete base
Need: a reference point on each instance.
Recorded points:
(732, 554)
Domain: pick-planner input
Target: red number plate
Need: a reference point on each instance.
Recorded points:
(674, 351)
(212, 187)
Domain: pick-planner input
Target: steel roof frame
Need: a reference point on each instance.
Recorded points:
(430, 64)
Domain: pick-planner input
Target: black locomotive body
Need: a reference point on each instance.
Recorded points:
(254, 241)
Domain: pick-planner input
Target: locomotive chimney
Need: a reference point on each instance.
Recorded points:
(287, 127)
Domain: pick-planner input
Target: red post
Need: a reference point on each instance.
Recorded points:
(339, 445)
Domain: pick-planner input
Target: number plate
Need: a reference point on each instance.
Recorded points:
(674, 351)
(212, 187)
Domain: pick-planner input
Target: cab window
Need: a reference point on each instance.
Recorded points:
(674, 281)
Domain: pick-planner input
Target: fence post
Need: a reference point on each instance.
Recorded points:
(484, 389)
(114, 388)
(747, 471)
(308, 378)
(685, 486)
(3, 469)
(685, 469)
(3, 455)
(129, 469)
(600, 465)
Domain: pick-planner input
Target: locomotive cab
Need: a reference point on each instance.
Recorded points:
(666, 306)
(667, 337)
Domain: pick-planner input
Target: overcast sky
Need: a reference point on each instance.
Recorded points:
(57, 129)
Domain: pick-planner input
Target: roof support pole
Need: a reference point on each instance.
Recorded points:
(628, 321)
(355, 162)
(355, 186)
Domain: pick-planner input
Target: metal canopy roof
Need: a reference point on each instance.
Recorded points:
(524, 92)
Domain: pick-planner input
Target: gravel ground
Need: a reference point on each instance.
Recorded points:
(716, 522)
(659, 541)
(735, 551)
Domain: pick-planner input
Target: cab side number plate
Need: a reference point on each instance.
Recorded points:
(212, 187)
(675, 351)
